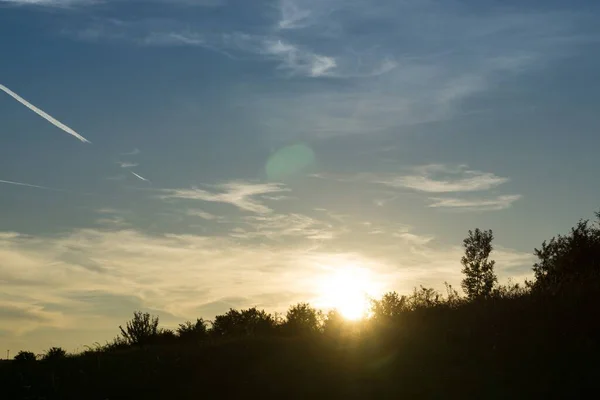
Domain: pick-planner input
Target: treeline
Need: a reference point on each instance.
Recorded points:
(495, 341)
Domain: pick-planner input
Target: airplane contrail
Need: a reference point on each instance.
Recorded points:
(140, 177)
(31, 186)
(135, 152)
(42, 114)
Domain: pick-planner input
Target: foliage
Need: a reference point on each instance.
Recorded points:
(389, 306)
(25, 357)
(193, 330)
(510, 291)
(140, 330)
(302, 319)
(569, 259)
(243, 323)
(424, 298)
(479, 273)
(54, 354)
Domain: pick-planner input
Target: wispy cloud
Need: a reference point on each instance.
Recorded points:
(292, 15)
(42, 114)
(300, 61)
(134, 152)
(202, 214)
(242, 195)
(49, 3)
(478, 204)
(127, 164)
(437, 178)
(139, 177)
(279, 226)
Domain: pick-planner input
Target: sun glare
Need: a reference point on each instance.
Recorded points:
(348, 290)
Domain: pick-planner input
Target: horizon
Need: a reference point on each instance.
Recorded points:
(187, 157)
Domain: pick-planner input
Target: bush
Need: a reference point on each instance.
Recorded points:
(25, 357)
(54, 354)
(193, 330)
(141, 329)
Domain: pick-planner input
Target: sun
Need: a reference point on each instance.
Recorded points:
(347, 289)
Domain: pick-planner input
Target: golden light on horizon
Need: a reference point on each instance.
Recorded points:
(348, 289)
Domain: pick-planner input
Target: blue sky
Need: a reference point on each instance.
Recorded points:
(243, 151)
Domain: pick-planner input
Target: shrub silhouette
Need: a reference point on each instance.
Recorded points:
(390, 306)
(193, 330)
(140, 330)
(25, 357)
(54, 354)
(479, 273)
(243, 323)
(572, 259)
(301, 319)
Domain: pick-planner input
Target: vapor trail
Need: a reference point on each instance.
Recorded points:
(42, 114)
(28, 185)
(139, 177)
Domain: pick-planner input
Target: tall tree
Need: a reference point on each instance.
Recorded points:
(478, 269)
(141, 329)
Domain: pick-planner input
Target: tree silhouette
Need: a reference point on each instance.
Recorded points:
(389, 306)
(479, 273)
(141, 329)
(302, 318)
(573, 258)
(193, 330)
(243, 323)
(54, 354)
(25, 357)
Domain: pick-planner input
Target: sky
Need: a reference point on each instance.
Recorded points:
(183, 157)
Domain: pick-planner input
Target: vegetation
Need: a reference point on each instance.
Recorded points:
(479, 273)
(498, 341)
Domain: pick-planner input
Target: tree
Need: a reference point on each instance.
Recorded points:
(54, 354)
(479, 273)
(573, 258)
(243, 323)
(25, 357)
(141, 329)
(390, 306)
(423, 298)
(302, 319)
(193, 330)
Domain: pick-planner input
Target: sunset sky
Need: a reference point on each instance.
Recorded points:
(246, 152)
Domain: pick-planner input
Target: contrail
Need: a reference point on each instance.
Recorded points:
(140, 177)
(31, 186)
(127, 164)
(135, 152)
(42, 114)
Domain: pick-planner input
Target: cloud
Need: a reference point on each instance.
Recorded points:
(239, 194)
(49, 3)
(202, 214)
(437, 178)
(134, 152)
(42, 114)
(299, 61)
(278, 226)
(292, 16)
(478, 204)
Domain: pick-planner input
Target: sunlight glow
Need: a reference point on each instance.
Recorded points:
(348, 289)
